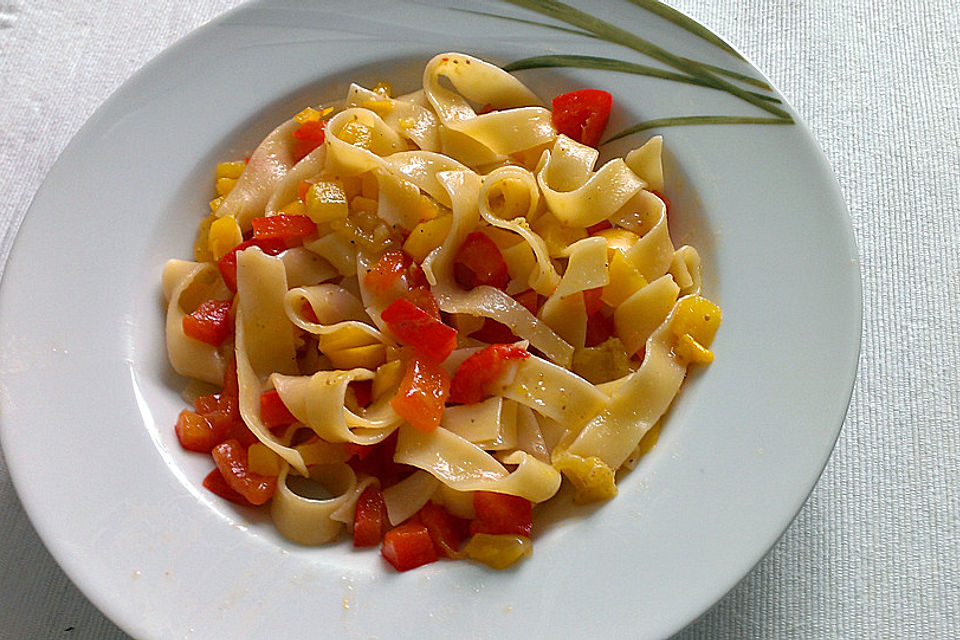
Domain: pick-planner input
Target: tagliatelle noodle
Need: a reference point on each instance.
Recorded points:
(464, 466)
(269, 163)
(285, 189)
(599, 197)
(189, 357)
(410, 494)
(405, 115)
(314, 521)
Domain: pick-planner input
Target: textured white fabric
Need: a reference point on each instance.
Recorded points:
(875, 553)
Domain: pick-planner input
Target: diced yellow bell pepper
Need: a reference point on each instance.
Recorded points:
(231, 169)
(379, 107)
(326, 201)
(383, 88)
(427, 236)
(697, 316)
(357, 134)
(225, 186)
(497, 551)
(365, 205)
(295, 208)
(618, 239)
(261, 459)
(224, 235)
(387, 378)
(308, 115)
(322, 452)
(591, 476)
(370, 186)
(625, 280)
(215, 203)
(692, 351)
(370, 357)
(344, 338)
(201, 248)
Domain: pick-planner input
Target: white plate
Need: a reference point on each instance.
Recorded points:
(89, 400)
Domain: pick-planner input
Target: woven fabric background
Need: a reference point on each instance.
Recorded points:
(875, 553)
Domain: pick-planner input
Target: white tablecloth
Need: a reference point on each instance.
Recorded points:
(876, 550)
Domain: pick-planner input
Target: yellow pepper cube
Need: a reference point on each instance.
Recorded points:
(225, 185)
(625, 280)
(697, 317)
(619, 240)
(224, 235)
(692, 351)
(357, 134)
(326, 201)
(295, 208)
(427, 236)
(308, 115)
(365, 205)
(383, 88)
(215, 204)
(370, 357)
(344, 338)
(231, 169)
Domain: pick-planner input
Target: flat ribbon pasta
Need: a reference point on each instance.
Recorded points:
(463, 466)
(189, 357)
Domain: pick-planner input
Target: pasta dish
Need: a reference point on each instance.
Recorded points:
(412, 317)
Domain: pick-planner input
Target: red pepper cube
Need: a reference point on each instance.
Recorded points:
(291, 229)
(231, 460)
(475, 375)
(273, 413)
(370, 520)
(478, 261)
(582, 115)
(228, 263)
(423, 392)
(196, 433)
(215, 482)
(446, 531)
(499, 513)
(408, 546)
(387, 272)
(211, 322)
(417, 328)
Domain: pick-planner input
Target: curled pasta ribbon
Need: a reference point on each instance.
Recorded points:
(312, 521)
(597, 198)
(586, 269)
(652, 254)
(186, 284)
(408, 116)
(336, 309)
(318, 401)
(357, 140)
(408, 496)
(685, 270)
(264, 342)
(269, 163)
(463, 466)
(513, 126)
(555, 392)
(507, 199)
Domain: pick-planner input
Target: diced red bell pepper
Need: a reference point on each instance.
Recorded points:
(231, 460)
(478, 261)
(370, 520)
(214, 482)
(359, 451)
(196, 433)
(423, 392)
(473, 378)
(422, 297)
(499, 513)
(224, 409)
(417, 328)
(290, 229)
(530, 299)
(273, 412)
(446, 531)
(228, 263)
(211, 322)
(591, 300)
(377, 460)
(582, 115)
(386, 272)
(308, 136)
(408, 546)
